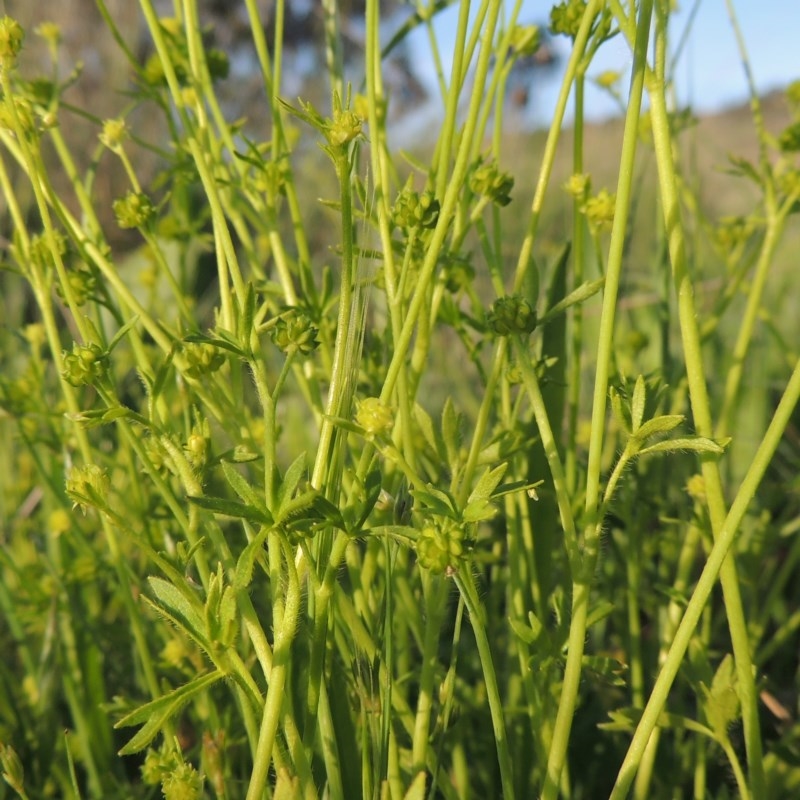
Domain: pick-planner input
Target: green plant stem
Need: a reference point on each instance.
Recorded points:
(482, 422)
(280, 660)
(435, 597)
(583, 575)
(32, 159)
(776, 220)
(466, 587)
(447, 135)
(322, 598)
(553, 135)
(531, 383)
(701, 407)
(705, 584)
(344, 359)
(448, 208)
(578, 256)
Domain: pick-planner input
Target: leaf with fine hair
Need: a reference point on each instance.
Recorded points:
(158, 712)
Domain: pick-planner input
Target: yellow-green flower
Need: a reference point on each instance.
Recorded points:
(115, 132)
(374, 416)
(11, 38)
(599, 210)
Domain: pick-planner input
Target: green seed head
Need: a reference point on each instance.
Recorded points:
(134, 210)
(203, 359)
(565, 18)
(295, 333)
(440, 546)
(84, 365)
(488, 181)
(183, 783)
(511, 315)
(413, 211)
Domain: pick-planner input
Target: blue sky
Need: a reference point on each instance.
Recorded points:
(710, 75)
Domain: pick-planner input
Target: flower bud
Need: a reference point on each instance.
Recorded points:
(13, 773)
(525, 40)
(115, 132)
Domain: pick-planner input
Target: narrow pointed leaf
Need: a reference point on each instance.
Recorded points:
(663, 424)
(638, 403)
(484, 488)
(697, 445)
(230, 508)
(158, 712)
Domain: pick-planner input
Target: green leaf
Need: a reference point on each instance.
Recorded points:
(533, 632)
(230, 508)
(319, 508)
(428, 431)
(417, 790)
(599, 612)
(104, 416)
(721, 704)
(245, 491)
(412, 22)
(741, 166)
(404, 534)
(372, 489)
(624, 720)
(158, 712)
(222, 344)
(697, 444)
(121, 333)
(290, 482)
(435, 500)
(307, 113)
(163, 373)
(478, 510)
(637, 404)
(451, 423)
(187, 607)
(619, 410)
(609, 669)
(488, 482)
(243, 574)
(579, 295)
(663, 424)
(248, 314)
